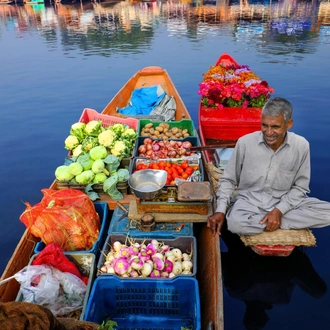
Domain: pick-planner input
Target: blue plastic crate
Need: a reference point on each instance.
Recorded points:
(186, 244)
(145, 305)
(162, 229)
(102, 210)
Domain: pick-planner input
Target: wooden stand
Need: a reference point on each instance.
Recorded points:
(169, 217)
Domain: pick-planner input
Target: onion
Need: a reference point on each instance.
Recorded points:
(170, 275)
(155, 147)
(186, 272)
(149, 147)
(165, 274)
(172, 143)
(147, 141)
(164, 248)
(171, 258)
(179, 143)
(171, 154)
(186, 145)
(142, 149)
(146, 269)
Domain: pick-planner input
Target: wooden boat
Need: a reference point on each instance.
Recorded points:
(6, 2)
(221, 129)
(149, 76)
(209, 273)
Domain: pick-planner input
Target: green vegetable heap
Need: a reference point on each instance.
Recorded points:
(96, 156)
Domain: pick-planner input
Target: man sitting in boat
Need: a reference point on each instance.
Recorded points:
(269, 171)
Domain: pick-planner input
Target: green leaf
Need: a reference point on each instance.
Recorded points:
(91, 193)
(108, 325)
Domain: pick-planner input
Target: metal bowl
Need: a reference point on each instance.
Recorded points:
(147, 184)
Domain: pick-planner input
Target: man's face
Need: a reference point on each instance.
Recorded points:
(274, 130)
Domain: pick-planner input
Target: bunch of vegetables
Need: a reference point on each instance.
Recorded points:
(155, 259)
(155, 149)
(118, 139)
(163, 130)
(94, 167)
(181, 170)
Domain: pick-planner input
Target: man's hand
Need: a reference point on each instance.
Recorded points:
(215, 222)
(273, 219)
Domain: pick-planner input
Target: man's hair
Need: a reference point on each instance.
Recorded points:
(276, 107)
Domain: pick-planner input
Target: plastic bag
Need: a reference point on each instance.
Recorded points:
(66, 217)
(52, 255)
(44, 285)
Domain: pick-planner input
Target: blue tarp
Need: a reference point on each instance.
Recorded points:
(143, 101)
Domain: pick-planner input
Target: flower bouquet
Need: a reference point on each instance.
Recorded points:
(233, 86)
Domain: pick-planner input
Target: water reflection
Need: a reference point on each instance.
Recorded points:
(262, 282)
(271, 27)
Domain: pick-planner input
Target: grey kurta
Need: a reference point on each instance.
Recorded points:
(266, 179)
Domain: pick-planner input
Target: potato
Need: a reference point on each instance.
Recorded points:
(178, 135)
(156, 133)
(174, 130)
(149, 125)
(146, 130)
(185, 131)
(162, 125)
(168, 134)
(165, 130)
(151, 130)
(159, 128)
(186, 135)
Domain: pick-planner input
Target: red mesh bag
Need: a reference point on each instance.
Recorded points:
(53, 255)
(66, 217)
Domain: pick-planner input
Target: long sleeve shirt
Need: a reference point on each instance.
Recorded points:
(264, 177)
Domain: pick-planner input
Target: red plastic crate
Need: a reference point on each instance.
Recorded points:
(90, 114)
(229, 123)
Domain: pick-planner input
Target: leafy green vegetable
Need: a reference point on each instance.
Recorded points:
(71, 142)
(99, 167)
(75, 168)
(98, 152)
(109, 187)
(91, 193)
(85, 177)
(108, 325)
(123, 175)
(99, 178)
(62, 173)
(112, 163)
(85, 161)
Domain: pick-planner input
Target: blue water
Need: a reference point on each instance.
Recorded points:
(57, 59)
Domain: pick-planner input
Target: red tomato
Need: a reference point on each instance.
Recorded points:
(184, 164)
(189, 170)
(184, 176)
(140, 166)
(180, 170)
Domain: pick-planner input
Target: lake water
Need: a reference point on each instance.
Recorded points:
(57, 59)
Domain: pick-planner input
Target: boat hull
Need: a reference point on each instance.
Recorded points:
(209, 257)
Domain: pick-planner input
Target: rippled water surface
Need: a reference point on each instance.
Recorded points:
(57, 59)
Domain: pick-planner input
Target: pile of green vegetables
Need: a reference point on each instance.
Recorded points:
(96, 156)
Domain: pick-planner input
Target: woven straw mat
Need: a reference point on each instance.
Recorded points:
(295, 237)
